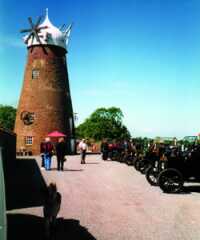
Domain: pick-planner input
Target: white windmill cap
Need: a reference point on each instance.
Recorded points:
(50, 35)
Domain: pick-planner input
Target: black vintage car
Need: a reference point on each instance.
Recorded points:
(154, 170)
(180, 167)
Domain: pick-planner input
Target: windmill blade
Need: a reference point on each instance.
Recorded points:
(37, 37)
(32, 40)
(44, 49)
(38, 21)
(25, 30)
(31, 23)
(44, 27)
(34, 33)
(32, 46)
(42, 45)
(29, 36)
(62, 27)
(27, 39)
(40, 36)
(68, 30)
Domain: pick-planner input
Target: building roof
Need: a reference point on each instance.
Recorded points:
(50, 35)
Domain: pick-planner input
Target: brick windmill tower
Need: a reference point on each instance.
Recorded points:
(45, 103)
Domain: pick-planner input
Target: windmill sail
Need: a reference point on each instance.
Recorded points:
(67, 33)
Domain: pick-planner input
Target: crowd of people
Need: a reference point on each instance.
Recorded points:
(47, 150)
(118, 150)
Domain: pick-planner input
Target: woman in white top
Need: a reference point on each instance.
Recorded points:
(83, 148)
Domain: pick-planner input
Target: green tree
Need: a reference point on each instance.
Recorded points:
(7, 117)
(104, 123)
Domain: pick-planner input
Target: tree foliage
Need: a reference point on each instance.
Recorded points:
(7, 117)
(104, 123)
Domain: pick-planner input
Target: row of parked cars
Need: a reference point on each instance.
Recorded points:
(165, 166)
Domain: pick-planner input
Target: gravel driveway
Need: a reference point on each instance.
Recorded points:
(112, 201)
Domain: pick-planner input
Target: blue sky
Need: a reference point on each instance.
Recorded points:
(140, 55)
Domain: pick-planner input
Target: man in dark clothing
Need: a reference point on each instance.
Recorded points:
(104, 150)
(61, 151)
(42, 153)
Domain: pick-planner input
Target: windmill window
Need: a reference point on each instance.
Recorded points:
(35, 73)
(28, 140)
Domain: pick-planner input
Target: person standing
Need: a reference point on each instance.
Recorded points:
(47, 150)
(61, 151)
(83, 148)
(104, 149)
(42, 154)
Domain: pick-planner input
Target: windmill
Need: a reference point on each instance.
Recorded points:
(45, 88)
(34, 32)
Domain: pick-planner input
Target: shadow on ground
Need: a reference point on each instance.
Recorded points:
(68, 169)
(188, 190)
(24, 226)
(25, 186)
(73, 170)
(92, 162)
(191, 189)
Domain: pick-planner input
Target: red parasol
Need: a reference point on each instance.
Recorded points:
(56, 134)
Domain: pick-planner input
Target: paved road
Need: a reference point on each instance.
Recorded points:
(114, 202)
